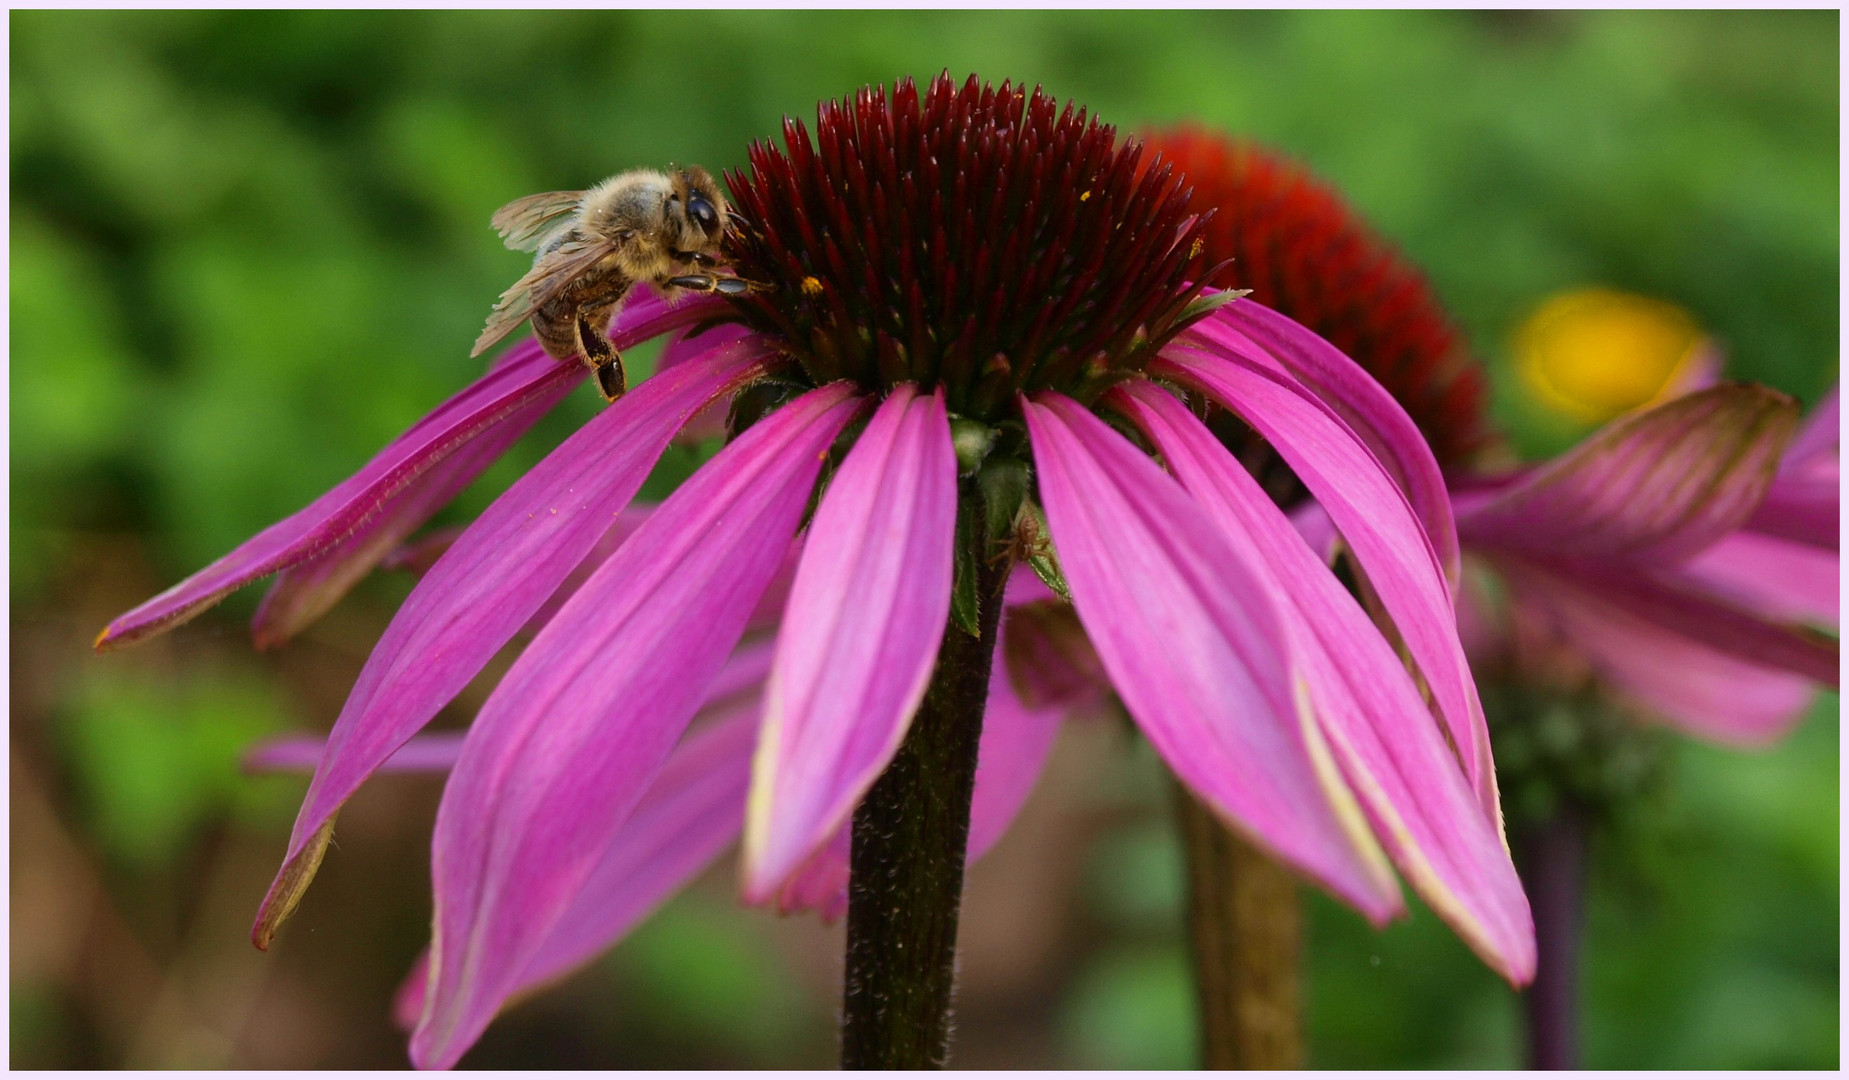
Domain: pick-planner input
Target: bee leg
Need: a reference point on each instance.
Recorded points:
(612, 379)
(713, 283)
(602, 358)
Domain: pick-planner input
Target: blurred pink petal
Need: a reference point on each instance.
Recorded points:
(820, 883)
(691, 813)
(480, 592)
(580, 725)
(1657, 485)
(519, 389)
(434, 753)
(860, 635)
(1804, 506)
(1703, 687)
(1380, 729)
(743, 674)
(1016, 740)
(1818, 436)
(1665, 601)
(1389, 542)
(1193, 643)
(1777, 578)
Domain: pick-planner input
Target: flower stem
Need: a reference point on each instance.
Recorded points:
(1552, 860)
(1245, 929)
(910, 836)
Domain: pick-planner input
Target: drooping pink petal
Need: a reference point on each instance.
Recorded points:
(1378, 525)
(692, 812)
(1274, 342)
(1195, 647)
(1701, 687)
(480, 592)
(696, 340)
(860, 635)
(1818, 436)
(433, 753)
(710, 421)
(580, 725)
(1775, 578)
(1663, 600)
(1804, 506)
(820, 883)
(1313, 524)
(646, 315)
(528, 379)
(1045, 657)
(418, 556)
(1654, 486)
(305, 591)
(743, 675)
(1016, 740)
(1382, 732)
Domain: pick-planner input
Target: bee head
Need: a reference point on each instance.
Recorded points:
(697, 209)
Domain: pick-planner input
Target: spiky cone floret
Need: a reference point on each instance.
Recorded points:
(1304, 251)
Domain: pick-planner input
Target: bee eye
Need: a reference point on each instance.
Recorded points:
(703, 214)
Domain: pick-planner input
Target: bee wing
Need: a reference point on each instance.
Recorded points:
(551, 273)
(525, 223)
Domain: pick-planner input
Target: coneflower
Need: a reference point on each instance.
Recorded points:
(985, 311)
(1663, 565)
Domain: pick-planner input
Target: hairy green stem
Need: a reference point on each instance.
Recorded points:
(1245, 935)
(910, 837)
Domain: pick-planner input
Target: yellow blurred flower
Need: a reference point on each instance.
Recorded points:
(1594, 353)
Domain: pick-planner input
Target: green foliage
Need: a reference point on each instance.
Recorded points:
(249, 248)
(154, 761)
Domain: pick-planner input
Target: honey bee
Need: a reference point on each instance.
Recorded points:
(591, 246)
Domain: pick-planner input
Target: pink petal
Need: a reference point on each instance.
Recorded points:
(485, 587)
(528, 380)
(1277, 344)
(1391, 751)
(1654, 486)
(1697, 685)
(691, 813)
(860, 635)
(1193, 643)
(580, 725)
(1775, 578)
(1379, 526)
(1015, 743)
(305, 591)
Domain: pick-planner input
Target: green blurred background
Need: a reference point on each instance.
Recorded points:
(248, 249)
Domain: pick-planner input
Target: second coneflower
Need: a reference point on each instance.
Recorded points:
(985, 312)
